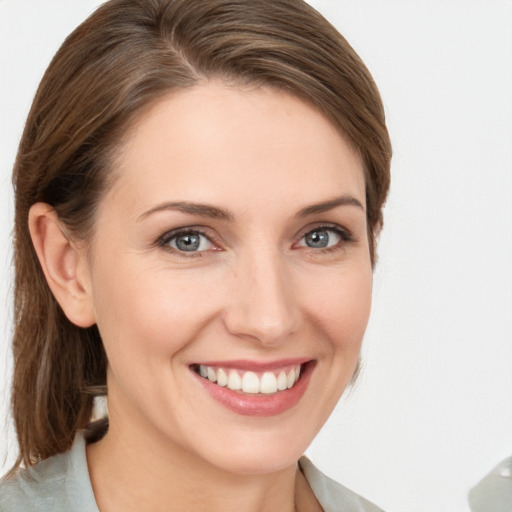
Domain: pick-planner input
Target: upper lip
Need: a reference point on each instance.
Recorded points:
(255, 366)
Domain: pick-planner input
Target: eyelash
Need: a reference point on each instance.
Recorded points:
(168, 237)
(163, 241)
(344, 234)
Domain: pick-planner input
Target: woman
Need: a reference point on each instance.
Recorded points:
(199, 188)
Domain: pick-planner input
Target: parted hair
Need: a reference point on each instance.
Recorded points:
(126, 56)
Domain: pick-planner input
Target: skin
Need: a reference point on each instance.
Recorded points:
(255, 291)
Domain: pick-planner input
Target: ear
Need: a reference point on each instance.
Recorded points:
(64, 265)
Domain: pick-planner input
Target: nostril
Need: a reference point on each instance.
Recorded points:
(253, 322)
(262, 305)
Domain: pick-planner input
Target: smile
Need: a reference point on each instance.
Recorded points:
(255, 389)
(251, 382)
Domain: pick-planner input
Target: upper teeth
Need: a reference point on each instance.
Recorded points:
(251, 382)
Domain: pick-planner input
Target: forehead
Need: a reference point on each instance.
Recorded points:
(220, 142)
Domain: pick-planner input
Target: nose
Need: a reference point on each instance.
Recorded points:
(262, 305)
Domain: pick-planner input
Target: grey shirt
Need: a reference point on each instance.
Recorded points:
(61, 484)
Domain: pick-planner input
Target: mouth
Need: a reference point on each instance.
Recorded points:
(251, 382)
(255, 389)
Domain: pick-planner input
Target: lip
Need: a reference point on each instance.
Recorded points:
(258, 404)
(255, 366)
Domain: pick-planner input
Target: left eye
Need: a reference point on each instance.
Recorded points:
(190, 241)
(321, 238)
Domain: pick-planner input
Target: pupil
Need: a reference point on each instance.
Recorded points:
(317, 239)
(188, 242)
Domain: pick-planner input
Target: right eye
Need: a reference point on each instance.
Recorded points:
(187, 241)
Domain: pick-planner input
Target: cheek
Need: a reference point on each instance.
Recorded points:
(149, 312)
(342, 307)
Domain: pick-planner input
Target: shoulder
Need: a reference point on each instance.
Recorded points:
(331, 495)
(36, 488)
(59, 483)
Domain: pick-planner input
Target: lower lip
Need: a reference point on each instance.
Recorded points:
(259, 404)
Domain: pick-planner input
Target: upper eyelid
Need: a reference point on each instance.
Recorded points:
(323, 225)
(173, 233)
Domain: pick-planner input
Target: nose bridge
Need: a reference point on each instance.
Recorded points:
(262, 304)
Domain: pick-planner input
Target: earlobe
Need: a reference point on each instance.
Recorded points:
(62, 263)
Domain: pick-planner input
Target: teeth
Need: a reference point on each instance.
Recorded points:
(212, 376)
(234, 381)
(268, 383)
(281, 381)
(222, 377)
(290, 378)
(250, 382)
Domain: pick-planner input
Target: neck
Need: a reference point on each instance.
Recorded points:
(129, 473)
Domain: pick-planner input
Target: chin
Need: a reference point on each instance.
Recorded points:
(253, 463)
(257, 453)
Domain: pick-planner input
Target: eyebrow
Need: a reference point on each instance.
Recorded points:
(325, 206)
(214, 212)
(203, 210)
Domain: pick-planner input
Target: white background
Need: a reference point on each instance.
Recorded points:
(432, 412)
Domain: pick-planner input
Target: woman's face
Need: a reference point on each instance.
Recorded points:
(231, 247)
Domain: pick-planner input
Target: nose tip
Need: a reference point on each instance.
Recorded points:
(262, 306)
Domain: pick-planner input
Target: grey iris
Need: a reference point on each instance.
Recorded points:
(317, 239)
(188, 242)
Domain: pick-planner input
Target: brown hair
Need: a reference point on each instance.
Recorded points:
(118, 62)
